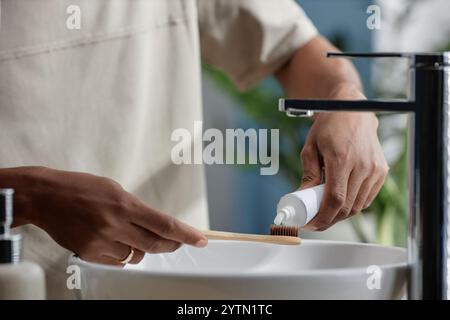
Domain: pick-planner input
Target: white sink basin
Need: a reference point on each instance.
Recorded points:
(244, 270)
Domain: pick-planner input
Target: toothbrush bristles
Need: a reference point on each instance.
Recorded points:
(280, 230)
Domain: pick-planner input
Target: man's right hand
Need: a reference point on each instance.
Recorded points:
(94, 216)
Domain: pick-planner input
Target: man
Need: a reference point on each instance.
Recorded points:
(79, 105)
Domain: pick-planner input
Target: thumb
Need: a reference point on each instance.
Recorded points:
(312, 170)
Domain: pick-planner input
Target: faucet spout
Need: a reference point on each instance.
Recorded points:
(307, 107)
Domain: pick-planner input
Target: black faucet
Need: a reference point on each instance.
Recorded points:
(429, 174)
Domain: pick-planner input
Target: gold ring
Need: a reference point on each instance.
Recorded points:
(129, 257)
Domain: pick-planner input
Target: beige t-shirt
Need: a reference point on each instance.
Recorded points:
(105, 98)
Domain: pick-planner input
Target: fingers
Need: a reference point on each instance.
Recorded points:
(99, 256)
(374, 191)
(141, 240)
(355, 182)
(335, 194)
(370, 188)
(147, 241)
(109, 252)
(120, 251)
(362, 196)
(137, 256)
(358, 203)
(312, 170)
(105, 260)
(169, 228)
(366, 184)
(113, 261)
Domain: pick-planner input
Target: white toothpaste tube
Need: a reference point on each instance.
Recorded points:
(300, 207)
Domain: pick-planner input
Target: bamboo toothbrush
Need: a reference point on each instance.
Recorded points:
(279, 235)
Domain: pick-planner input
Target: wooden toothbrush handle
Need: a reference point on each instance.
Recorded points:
(222, 235)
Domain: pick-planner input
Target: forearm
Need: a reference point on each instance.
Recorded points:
(310, 74)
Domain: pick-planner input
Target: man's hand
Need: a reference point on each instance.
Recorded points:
(345, 148)
(93, 216)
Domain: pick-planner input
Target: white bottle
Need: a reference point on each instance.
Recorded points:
(300, 207)
(19, 280)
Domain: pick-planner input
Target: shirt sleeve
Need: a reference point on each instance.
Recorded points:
(251, 39)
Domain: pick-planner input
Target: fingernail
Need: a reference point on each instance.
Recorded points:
(201, 243)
